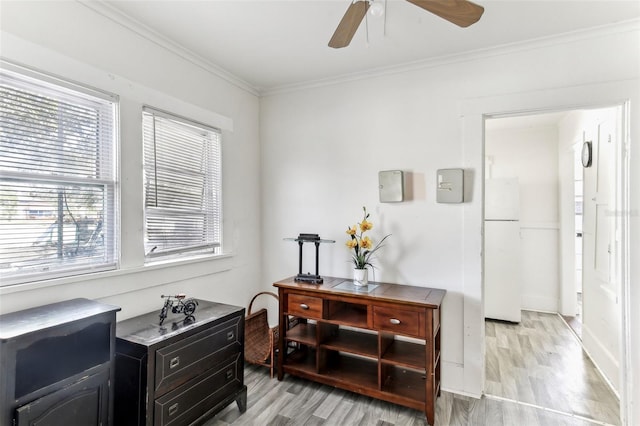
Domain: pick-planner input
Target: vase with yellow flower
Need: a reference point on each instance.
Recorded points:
(363, 249)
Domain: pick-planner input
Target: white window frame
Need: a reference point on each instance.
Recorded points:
(182, 187)
(101, 176)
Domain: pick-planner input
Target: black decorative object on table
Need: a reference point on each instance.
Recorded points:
(309, 238)
(178, 304)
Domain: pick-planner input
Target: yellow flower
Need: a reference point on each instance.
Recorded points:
(363, 248)
(365, 225)
(366, 243)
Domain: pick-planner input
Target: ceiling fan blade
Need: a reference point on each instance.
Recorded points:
(349, 24)
(460, 12)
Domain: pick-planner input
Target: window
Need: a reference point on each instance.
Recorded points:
(181, 186)
(57, 178)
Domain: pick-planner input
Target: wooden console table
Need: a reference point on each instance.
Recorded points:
(348, 338)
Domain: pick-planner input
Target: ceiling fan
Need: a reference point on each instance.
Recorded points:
(460, 12)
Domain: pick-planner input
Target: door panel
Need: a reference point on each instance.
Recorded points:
(601, 325)
(603, 225)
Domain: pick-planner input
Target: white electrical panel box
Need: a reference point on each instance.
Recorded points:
(391, 186)
(450, 186)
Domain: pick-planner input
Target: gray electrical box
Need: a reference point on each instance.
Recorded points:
(391, 186)
(450, 186)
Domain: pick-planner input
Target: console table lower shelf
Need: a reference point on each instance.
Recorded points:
(381, 341)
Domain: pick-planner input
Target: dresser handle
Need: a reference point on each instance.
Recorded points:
(229, 374)
(304, 306)
(230, 335)
(173, 409)
(174, 362)
(394, 321)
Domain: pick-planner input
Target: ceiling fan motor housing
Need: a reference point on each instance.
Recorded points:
(462, 13)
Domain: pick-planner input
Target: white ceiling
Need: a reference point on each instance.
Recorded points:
(272, 44)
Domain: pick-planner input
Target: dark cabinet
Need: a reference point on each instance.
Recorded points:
(183, 371)
(57, 364)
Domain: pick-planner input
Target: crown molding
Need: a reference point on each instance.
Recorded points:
(538, 43)
(109, 12)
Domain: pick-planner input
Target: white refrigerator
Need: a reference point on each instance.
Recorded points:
(502, 292)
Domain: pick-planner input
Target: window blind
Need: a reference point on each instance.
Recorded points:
(57, 178)
(182, 185)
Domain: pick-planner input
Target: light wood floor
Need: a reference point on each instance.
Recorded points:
(534, 390)
(541, 362)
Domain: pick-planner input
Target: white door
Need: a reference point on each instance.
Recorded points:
(601, 310)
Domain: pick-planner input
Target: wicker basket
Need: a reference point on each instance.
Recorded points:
(260, 340)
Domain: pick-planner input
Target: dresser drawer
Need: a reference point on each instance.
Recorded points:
(179, 362)
(398, 321)
(305, 306)
(186, 404)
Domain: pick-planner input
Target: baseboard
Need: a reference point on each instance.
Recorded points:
(452, 374)
(601, 357)
(540, 304)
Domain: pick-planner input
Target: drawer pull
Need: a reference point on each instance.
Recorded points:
(231, 335)
(304, 306)
(229, 374)
(394, 321)
(173, 409)
(174, 362)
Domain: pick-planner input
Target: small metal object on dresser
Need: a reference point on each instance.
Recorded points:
(178, 304)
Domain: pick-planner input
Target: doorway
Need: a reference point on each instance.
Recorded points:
(525, 150)
(473, 112)
(544, 153)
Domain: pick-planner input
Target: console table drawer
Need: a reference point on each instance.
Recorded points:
(397, 321)
(181, 361)
(305, 306)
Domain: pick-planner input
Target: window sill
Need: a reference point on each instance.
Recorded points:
(215, 264)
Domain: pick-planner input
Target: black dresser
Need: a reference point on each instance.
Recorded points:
(182, 372)
(56, 364)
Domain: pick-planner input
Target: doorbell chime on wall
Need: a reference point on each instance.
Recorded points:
(391, 186)
(450, 186)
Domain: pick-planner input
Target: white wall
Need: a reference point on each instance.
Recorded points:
(531, 155)
(322, 148)
(70, 40)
